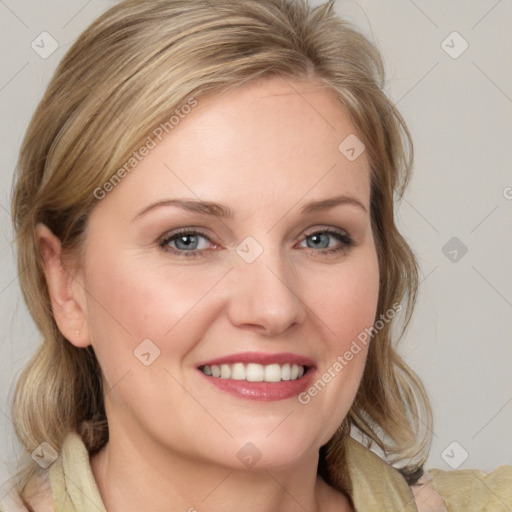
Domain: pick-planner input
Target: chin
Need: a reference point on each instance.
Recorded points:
(263, 452)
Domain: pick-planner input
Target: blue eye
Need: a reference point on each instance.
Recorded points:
(322, 240)
(186, 243)
(190, 243)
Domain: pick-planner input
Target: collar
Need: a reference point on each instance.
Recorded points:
(376, 485)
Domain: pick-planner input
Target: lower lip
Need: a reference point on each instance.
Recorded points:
(263, 391)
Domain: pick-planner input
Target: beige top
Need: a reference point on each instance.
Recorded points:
(376, 485)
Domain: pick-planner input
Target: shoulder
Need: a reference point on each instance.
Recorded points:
(38, 494)
(377, 485)
(426, 497)
(66, 481)
(472, 489)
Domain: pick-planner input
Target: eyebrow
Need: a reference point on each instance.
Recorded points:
(218, 210)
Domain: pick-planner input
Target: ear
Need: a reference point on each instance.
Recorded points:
(67, 294)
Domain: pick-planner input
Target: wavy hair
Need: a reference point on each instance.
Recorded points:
(127, 73)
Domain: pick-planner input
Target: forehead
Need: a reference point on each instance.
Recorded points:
(272, 138)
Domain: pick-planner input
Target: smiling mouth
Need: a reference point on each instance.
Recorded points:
(254, 372)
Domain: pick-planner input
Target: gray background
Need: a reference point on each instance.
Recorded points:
(459, 110)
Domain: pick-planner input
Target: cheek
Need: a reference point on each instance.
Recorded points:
(345, 303)
(130, 300)
(346, 298)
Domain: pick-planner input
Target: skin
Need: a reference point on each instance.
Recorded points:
(264, 151)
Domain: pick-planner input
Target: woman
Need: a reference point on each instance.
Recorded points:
(204, 218)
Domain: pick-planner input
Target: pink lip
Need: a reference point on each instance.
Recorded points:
(262, 391)
(261, 358)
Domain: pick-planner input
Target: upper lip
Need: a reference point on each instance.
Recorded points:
(260, 358)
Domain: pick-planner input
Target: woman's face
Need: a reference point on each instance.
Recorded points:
(177, 291)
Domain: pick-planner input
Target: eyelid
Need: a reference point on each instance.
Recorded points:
(200, 231)
(164, 240)
(323, 228)
(184, 230)
(342, 236)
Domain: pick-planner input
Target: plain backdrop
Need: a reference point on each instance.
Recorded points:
(449, 71)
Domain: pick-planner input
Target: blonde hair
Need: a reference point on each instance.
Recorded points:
(127, 73)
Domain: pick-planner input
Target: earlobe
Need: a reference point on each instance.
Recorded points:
(67, 299)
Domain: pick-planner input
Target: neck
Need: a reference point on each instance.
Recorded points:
(136, 474)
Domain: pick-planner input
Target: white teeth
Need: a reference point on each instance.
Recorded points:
(254, 372)
(225, 371)
(238, 371)
(272, 373)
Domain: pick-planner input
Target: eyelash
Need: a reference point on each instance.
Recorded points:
(341, 236)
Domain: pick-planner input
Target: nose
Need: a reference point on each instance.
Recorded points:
(266, 295)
